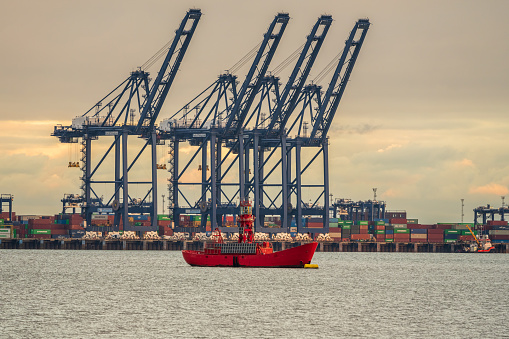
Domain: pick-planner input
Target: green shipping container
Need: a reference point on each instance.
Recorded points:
(137, 224)
(363, 222)
(380, 223)
(348, 222)
(333, 225)
(389, 240)
(5, 231)
(163, 217)
(467, 232)
(401, 230)
(450, 240)
(452, 231)
(40, 231)
(346, 227)
(380, 231)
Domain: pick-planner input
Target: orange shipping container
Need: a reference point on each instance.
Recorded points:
(360, 236)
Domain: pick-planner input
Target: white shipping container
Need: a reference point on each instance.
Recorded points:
(99, 217)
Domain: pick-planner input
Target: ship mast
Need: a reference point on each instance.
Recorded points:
(246, 220)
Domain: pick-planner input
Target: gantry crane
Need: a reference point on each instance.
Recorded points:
(212, 119)
(222, 117)
(114, 117)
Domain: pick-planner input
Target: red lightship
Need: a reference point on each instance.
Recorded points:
(247, 253)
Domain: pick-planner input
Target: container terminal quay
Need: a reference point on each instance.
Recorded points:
(356, 228)
(258, 133)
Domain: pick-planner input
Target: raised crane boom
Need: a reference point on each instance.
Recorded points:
(294, 85)
(338, 83)
(249, 90)
(166, 74)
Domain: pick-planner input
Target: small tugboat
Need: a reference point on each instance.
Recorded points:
(246, 252)
(482, 245)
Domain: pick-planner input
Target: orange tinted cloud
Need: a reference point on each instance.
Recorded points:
(491, 188)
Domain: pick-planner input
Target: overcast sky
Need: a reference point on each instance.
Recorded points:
(423, 119)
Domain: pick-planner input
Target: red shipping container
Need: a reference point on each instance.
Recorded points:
(402, 237)
(39, 222)
(389, 236)
(165, 231)
(398, 221)
(166, 223)
(360, 236)
(60, 232)
(345, 239)
(499, 237)
(74, 227)
(435, 231)
(419, 227)
(38, 226)
(497, 222)
(5, 216)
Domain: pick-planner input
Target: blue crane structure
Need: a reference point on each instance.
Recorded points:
(114, 117)
(6, 201)
(370, 210)
(219, 114)
(245, 141)
(488, 213)
(231, 129)
(321, 112)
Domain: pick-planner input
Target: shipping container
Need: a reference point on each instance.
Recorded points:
(401, 226)
(499, 232)
(40, 231)
(360, 236)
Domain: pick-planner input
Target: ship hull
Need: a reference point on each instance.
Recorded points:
(292, 257)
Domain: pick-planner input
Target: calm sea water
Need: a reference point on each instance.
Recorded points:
(150, 294)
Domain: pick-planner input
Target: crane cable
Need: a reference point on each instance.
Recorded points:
(288, 60)
(159, 54)
(245, 59)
